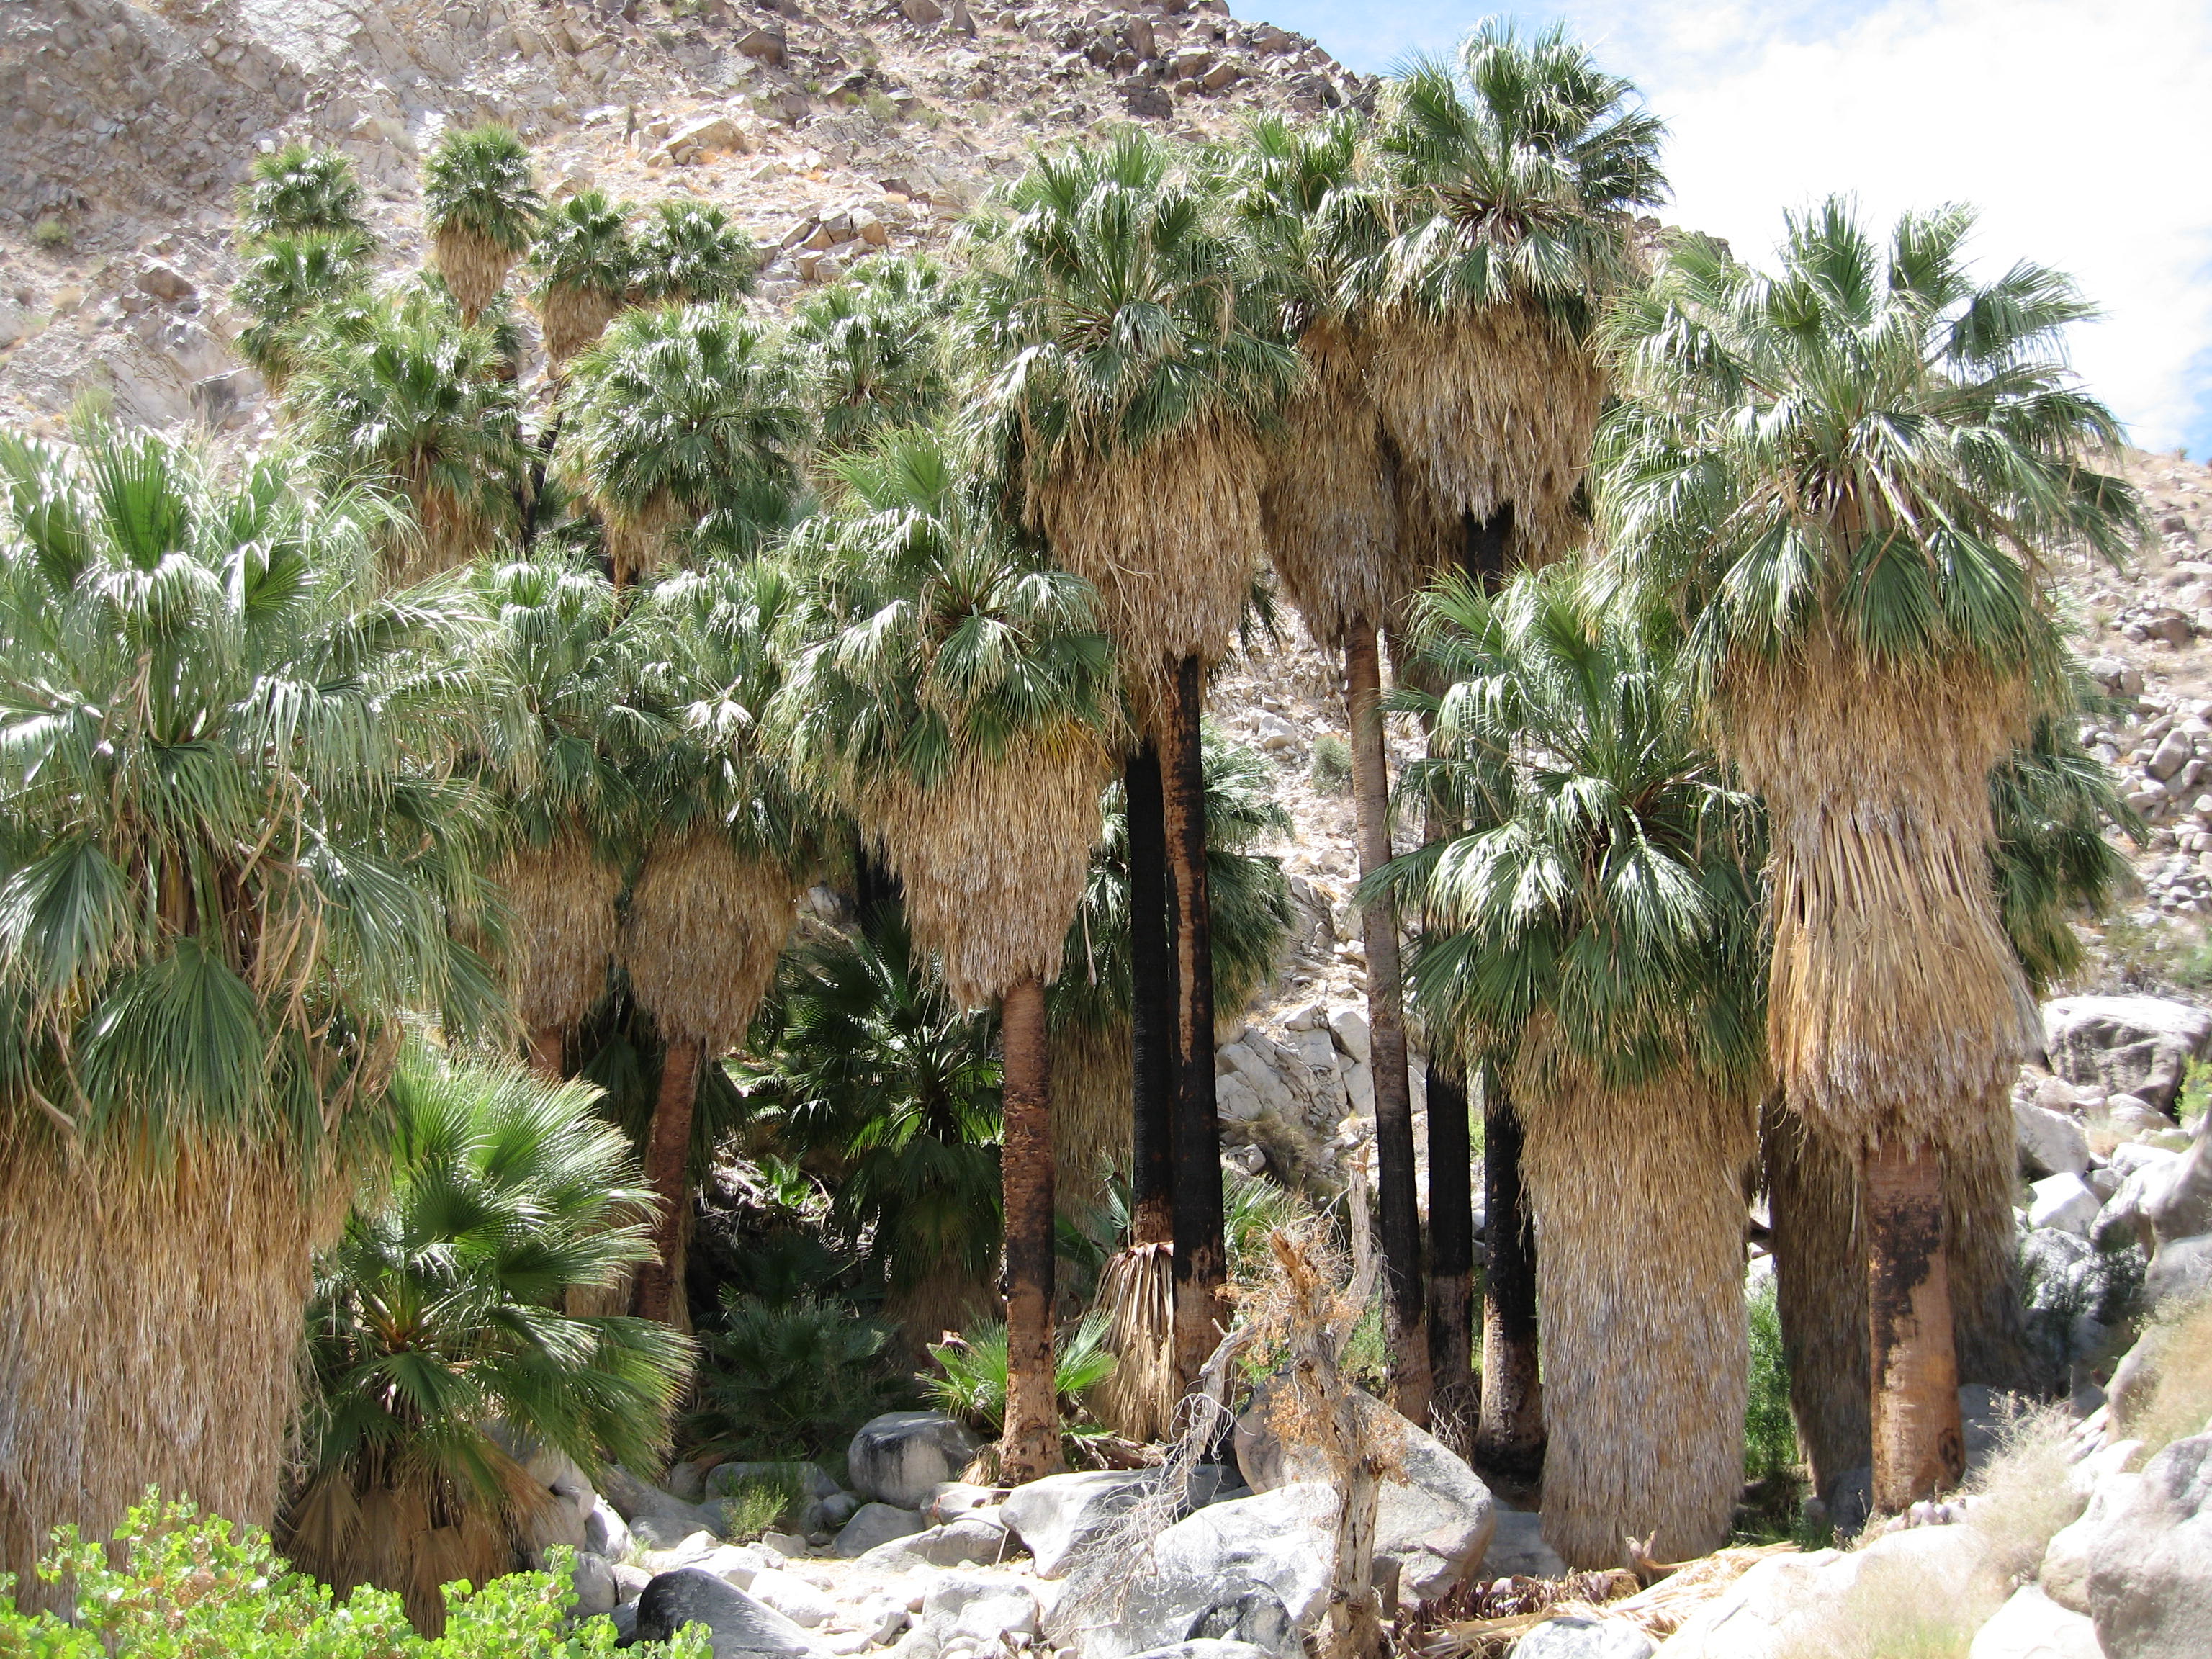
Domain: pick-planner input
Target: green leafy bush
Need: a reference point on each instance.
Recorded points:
(194, 1586)
(970, 1381)
(1331, 772)
(1769, 1434)
(789, 1381)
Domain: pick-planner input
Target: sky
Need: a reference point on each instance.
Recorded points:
(2081, 130)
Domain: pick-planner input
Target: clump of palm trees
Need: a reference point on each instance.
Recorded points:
(1764, 799)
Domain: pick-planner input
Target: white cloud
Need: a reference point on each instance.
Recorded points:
(2081, 131)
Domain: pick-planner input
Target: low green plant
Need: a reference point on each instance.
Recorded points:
(2196, 1095)
(1769, 1434)
(176, 1583)
(790, 1381)
(759, 1501)
(52, 234)
(881, 107)
(1331, 772)
(970, 1379)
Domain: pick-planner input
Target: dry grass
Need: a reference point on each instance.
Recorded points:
(572, 318)
(1137, 1294)
(150, 1333)
(2022, 1496)
(1171, 539)
(1488, 408)
(1896, 999)
(994, 855)
(1639, 1201)
(562, 932)
(474, 267)
(2177, 1401)
(706, 925)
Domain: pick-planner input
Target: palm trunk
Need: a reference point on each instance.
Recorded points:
(547, 1043)
(1919, 1447)
(1980, 1180)
(667, 1171)
(1509, 1440)
(1453, 1400)
(1152, 1005)
(1819, 1291)
(1030, 1448)
(1407, 1335)
(1201, 1258)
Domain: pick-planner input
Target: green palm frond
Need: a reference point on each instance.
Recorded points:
(478, 181)
(289, 278)
(584, 242)
(872, 351)
(299, 190)
(689, 253)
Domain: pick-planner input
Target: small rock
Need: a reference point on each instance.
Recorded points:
(166, 283)
(873, 1524)
(765, 45)
(606, 1534)
(922, 13)
(596, 1590)
(2051, 1143)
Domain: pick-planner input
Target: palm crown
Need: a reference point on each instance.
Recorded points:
(300, 190)
(689, 253)
(871, 352)
(584, 264)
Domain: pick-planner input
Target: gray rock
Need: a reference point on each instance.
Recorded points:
(2064, 1202)
(898, 1458)
(633, 1497)
(2181, 1273)
(839, 1508)
(983, 1610)
(605, 1533)
(597, 1591)
(954, 1498)
(2128, 1045)
(1577, 1636)
(1436, 1516)
(1794, 1604)
(2030, 1626)
(2149, 1560)
(1258, 1618)
(686, 1480)
(1280, 1541)
(876, 1523)
(792, 1596)
(1517, 1549)
(1053, 1517)
(2051, 1143)
(970, 1540)
(741, 1627)
(660, 1530)
(625, 1620)
(1205, 1648)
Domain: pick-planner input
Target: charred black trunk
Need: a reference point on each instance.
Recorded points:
(1151, 1004)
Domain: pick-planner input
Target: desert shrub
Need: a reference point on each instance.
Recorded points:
(1899, 1610)
(2021, 1494)
(1769, 1434)
(790, 1381)
(970, 1381)
(2176, 1400)
(52, 234)
(1331, 771)
(180, 1584)
(759, 1501)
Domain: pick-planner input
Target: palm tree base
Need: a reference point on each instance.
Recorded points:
(1919, 1446)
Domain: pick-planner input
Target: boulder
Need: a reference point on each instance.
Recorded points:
(2149, 1559)
(792, 1596)
(605, 1533)
(2181, 1273)
(969, 1540)
(659, 1532)
(1053, 1517)
(1578, 1636)
(2127, 1045)
(898, 1458)
(1281, 1542)
(2064, 1202)
(984, 1610)
(1517, 1549)
(951, 1499)
(922, 13)
(1348, 1025)
(1436, 1516)
(876, 1523)
(765, 45)
(2032, 1625)
(596, 1590)
(808, 1480)
(2051, 1143)
(634, 1500)
(2064, 1574)
(741, 1627)
(2160, 1202)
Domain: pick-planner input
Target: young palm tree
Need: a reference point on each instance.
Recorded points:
(581, 266)
(1592, 936)
(299, 190)
(290, 279)
(400, 394)
(872, 351)
(954, 699)
(1131, 366)
(229, 856)
(480, 206)
(715, 897)
(1515, 170)
(682, 430)
(438, 1345)
(565, 756)
(1847, 477)
(689, 253)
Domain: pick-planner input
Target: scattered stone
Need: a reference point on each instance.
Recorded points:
(898, 1457)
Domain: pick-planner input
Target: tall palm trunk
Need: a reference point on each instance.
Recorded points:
(1453, 1402)
(1919, 1448)
(1152, 1002)
(1407, 1335)
(1030, 1448)
(668, 1172)
(1201, 1257)
(1510, 1438)
(547, 1043)
(1820, 1292)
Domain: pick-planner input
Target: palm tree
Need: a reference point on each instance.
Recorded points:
(872, 349)
(232, 850)
(715, 896)
(290, 279)
(682, 427)
(299, 190)
(399, 393)
(689, 253)
(582, 264)
(441, 1358)
(1593, 938)
(564, 756)
(954, 699)
(1847, 477)
(1131, 365)
(1515, 170)
(480, 206)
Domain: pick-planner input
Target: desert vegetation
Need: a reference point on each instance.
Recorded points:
(672, 914)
